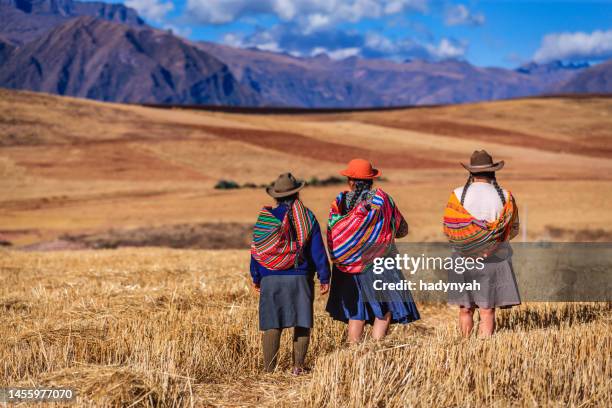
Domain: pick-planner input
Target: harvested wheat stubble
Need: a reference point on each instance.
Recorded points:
(561, 366)
(159, 328)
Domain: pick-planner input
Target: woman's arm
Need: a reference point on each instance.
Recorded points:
(516, 223)
(318, 254)
(400, 221)
(255, 275)
(402, 230)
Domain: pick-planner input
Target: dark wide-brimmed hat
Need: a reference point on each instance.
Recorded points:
(482, 162)
(360, 169)
(285, 185)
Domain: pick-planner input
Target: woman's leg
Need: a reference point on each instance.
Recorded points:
(355, 330)
(301, 339)
(466, 320)
(271, 344)
(381, 326)
(487, 322)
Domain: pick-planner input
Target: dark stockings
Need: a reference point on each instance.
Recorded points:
(271, 345)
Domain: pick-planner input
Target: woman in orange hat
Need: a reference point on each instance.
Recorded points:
(363, 225)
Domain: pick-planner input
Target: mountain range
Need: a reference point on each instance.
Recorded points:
(107, 52)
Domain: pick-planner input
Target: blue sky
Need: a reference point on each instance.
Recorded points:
(485, 33)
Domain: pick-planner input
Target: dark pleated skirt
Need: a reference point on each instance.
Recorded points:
(353, 297)
(286, 301)
(498, 287)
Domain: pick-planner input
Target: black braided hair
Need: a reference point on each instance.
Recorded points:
(361, 185)
(287, 200)
(469, 181)
(499, 190)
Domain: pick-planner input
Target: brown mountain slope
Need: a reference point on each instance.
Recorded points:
(97, 59)
(597, 79)
(6, 49)
(22, 21)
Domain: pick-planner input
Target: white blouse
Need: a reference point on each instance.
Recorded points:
(482, 200)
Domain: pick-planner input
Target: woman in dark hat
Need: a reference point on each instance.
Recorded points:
(363, 225)
(286, 251)
(479, 220)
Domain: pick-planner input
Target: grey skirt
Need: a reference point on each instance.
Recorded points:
(497, 283)
(286, 301)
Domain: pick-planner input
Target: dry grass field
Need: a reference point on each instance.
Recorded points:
(161, 327)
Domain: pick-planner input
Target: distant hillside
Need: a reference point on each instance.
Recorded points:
(597, 79)
(144, 167)
(22, 21)
(102, 60)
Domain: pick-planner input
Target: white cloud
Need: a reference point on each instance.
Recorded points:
(338, 54)
(310, 27)
(310, 13)
(461, 15)
(265, 41)
(448, 49)
(154, 10)
(575, 46)
(233, 40)
(338, 44)
(376, 46)
(317, 21)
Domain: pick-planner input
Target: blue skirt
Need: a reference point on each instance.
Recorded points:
(353, 297)
(286, 301)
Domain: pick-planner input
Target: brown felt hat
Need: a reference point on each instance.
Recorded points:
(285, 185)
(482, 162)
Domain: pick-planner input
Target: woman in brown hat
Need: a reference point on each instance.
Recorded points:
(363, 225)
(286, 251)
(479, 220)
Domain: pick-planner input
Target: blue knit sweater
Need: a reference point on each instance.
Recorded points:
(315, 257)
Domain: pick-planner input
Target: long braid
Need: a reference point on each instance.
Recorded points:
(465, 188)
(499, 190)
(360, 187)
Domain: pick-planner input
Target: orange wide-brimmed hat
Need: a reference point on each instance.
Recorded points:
(360, 169)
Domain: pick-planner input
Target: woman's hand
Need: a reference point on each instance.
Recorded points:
(256, 286)
(324, 288)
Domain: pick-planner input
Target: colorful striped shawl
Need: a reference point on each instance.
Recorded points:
(365, 232)
(277, 244)
(470, 236)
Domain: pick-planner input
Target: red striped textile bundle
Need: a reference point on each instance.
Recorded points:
(364, 233)
(277, 244)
